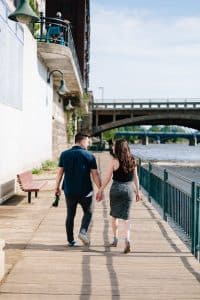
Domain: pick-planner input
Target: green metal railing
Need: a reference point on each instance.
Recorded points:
(178, 198)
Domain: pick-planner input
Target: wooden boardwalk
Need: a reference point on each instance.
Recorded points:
(41, 266)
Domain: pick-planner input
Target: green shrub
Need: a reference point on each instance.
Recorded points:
(48, 165)
(37, 171)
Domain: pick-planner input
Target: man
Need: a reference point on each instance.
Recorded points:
(78, 166)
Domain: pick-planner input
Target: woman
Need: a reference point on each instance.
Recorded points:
(123, 169)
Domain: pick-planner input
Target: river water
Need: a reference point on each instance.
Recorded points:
(180, 158)
(168, 152)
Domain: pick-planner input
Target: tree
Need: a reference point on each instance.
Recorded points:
(155, 128)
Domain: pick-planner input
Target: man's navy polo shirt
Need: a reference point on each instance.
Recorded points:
(77, 163)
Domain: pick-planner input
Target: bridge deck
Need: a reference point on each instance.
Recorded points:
(160, 266)
(146, 104)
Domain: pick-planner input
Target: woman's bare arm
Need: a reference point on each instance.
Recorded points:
(108, 175)
(137, 185)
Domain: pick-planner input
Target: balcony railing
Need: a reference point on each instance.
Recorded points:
(57, 31)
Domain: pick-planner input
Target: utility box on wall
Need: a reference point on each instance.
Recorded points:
(7, 190)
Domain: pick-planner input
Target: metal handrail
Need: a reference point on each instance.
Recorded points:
(57, 31)
(154, 134)
(145, 100)
(179, 203)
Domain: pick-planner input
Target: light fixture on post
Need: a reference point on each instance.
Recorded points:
(101, 88)
(80, 123)
(69, 106)
(24, 13)
(62, 90)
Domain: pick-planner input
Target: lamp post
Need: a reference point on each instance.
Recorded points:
(70, 120)
(24, 13)
(62, 90)
(80, 122)
(75, 121)
(101, 88)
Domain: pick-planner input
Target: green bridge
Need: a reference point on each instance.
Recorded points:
(159, 137)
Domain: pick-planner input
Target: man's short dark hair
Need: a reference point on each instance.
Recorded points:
(80, 136)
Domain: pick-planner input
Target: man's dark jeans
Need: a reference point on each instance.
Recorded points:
(72, 202)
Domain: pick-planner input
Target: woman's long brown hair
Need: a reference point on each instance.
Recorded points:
(123, 154)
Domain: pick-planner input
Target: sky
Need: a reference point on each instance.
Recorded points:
(145, 49)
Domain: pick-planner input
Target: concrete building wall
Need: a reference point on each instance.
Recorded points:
(59, 127)
(25, 128)
(37, 107)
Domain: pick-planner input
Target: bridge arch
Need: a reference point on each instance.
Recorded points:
(171, 118)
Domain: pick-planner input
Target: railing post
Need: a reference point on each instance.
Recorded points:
(198, 228)
(41, 25)
(149, 182)
(193, 218)
(165, 195)
(139, 169)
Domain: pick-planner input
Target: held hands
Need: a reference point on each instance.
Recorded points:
(99, 195)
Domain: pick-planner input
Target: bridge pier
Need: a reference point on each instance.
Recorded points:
(145, 140)
(158, 140)
(97, 119)
(193, 141)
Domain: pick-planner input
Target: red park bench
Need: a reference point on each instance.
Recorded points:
(27, 184)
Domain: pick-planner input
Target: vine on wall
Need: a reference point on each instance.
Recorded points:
(34, 5)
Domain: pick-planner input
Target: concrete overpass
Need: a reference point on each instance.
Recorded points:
(110, 113)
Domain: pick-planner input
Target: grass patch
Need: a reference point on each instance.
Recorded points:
(47, 165)
(37, 171)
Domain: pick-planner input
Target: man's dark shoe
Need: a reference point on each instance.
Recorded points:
(72, 244)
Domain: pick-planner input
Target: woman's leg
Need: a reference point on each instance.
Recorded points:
(115, 227)
(127, 230)
(115, 231)
(127, 248)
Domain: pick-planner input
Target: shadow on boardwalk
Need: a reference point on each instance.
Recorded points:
(41, 266)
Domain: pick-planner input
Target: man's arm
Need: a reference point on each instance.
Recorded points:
(105, 181)
(108, 175)
(59, 176)
(96, 178)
